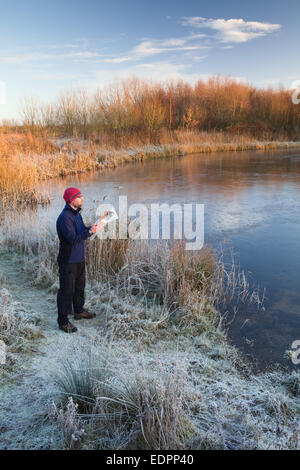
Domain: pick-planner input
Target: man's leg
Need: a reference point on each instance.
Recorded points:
(66, 291)
(78, 296)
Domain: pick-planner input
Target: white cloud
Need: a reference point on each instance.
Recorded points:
(145, 48)
(157, 46)
(232, 30)
(48, 76)
(173, 42)
(38, 57)
(150, 47)
(64, 46)
(196, 58)
(18, 59)
(83, 54)
(117, 60)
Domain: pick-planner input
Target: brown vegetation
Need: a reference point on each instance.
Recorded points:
(140, 107)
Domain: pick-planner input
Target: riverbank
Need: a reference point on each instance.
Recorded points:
(34, 158)
(142, 374)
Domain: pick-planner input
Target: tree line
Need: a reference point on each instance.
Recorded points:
(141, 106)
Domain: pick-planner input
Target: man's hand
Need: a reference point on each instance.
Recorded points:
(96, 227)
(100, 225)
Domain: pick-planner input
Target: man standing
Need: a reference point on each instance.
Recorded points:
(72, 234)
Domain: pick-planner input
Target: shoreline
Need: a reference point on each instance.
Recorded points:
(125, 155)
(42, 158)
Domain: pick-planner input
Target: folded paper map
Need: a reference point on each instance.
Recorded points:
(108, 217)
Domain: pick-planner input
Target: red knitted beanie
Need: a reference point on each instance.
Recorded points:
(70, 194)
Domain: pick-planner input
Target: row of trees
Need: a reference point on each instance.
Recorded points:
(135, 105)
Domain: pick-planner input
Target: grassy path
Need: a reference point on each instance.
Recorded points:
(22, 410)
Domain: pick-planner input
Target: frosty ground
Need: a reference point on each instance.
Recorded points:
(132, 378)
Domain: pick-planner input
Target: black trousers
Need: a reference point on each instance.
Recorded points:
(71, 290)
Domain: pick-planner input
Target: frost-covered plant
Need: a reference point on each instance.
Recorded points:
(69, 422)
(79, 374)
(8, 320)
(155, 402)
(17, 327)
(293, 383)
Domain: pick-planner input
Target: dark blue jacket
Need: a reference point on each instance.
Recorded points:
(72, 234)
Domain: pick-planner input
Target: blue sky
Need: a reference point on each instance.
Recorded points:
(47, 47)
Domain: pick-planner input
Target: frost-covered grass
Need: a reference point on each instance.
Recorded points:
(15, 323)
(188, 394)
(19, 330)
(154, 369)
(134, 378)
(141, 407)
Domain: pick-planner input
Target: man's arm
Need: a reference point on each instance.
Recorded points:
(88, 227)
(68, 230)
